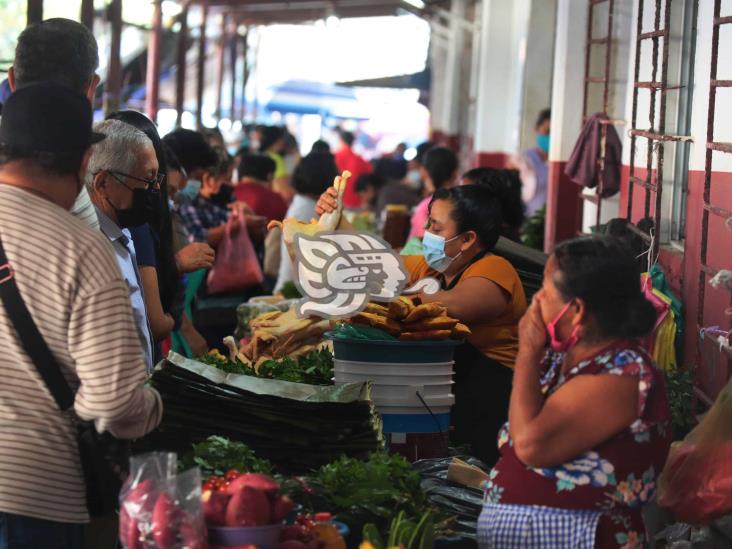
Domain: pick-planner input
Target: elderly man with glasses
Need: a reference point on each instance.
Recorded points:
(122, 180)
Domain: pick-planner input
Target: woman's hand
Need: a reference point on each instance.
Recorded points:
(532, 330)
(198, 255)
(328, 202)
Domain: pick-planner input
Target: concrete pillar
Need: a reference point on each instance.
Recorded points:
(538, 70)
(454, 76)
(438, 62)
(504, 26)
(563, 210)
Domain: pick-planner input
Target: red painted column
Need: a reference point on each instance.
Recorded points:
(87, 14)
(201, 65)
(152, 85)
(113, 85)
(35, 11)
(180, 80)
(563, 207)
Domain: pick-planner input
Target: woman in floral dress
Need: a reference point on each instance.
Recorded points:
(589, 426)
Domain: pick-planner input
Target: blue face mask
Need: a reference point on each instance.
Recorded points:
(413, 179)
(190, 191)
(542, 141)
(433, 249)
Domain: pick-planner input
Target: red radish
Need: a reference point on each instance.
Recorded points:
(192, 536)
(248, 507)
(129, 531)
(214, 507)
(282, 507)
(140, 497)
(293, 544)
(166, 518)
(263, 483)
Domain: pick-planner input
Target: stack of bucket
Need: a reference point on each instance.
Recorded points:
(411, 389)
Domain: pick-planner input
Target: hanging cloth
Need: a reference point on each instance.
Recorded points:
(582, 167)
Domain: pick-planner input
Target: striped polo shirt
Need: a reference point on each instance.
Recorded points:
(68, 277)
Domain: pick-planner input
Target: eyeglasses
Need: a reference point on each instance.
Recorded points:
(150, 184)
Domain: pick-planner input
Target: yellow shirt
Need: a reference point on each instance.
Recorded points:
(497, 338)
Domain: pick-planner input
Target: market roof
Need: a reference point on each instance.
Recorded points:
(299, 11)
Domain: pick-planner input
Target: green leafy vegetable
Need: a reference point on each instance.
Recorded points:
(216, 455)
(680, 386)
(404, 533)
(368, 492)
(314, 368)
(290, 291)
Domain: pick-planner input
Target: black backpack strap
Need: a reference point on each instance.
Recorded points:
(33, 343)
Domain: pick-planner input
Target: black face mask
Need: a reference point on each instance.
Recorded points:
(135, 215)
(153, 206)
(223, 197)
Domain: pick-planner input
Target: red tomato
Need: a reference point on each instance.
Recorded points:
(232, 474)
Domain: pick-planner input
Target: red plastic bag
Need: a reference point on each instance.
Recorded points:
(236, 267)
(160, 509)
(696, 483)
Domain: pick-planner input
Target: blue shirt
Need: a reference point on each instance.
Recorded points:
(124, 251)
(145, 243)
(200, 215)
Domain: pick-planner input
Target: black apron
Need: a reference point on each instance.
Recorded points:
(482, 394)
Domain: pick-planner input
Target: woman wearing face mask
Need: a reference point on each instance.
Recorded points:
(534, 166)
(483, 291)
(439, 170)
(589, 423)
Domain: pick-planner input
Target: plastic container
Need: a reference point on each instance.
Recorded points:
(387, 380)
(421, 352)
(416, 423)
(395, 368)
(263, 537)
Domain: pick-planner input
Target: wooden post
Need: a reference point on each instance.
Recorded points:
(220, 56)
(87, 14)
(201, 65)
(152, 84)
(180, 83)
(114, 75)
(233, 52)
(35, 11)
(245, 77)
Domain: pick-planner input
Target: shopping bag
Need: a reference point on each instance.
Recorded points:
(236, 267)
(696, 483)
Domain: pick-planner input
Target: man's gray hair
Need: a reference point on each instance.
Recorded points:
(118, 151)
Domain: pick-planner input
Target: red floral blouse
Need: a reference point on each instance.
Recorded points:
(617, 477)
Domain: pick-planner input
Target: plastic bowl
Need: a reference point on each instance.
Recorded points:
(264, 537)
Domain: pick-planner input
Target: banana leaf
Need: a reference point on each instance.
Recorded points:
(297, 427)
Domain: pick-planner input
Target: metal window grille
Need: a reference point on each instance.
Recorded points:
(712, 146)
(604, 80)
(655, 134)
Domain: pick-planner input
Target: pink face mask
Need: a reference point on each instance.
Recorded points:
(551, 328)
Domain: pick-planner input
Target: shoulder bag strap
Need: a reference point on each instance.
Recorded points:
(32, 340)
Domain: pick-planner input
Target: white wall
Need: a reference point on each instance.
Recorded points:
(504, 27)
(539, 67)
